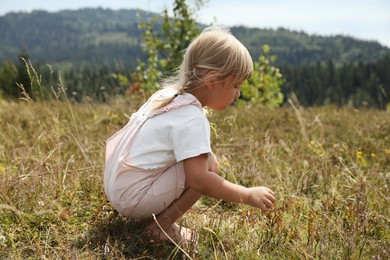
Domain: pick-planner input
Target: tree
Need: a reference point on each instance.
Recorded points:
(8, 77)
(15, 79)
(164, 49)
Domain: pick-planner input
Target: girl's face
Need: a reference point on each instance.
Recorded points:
(223, 94)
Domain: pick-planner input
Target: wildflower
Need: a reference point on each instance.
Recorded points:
(317, 148)
(359, 154)
(373, 155)
(2, 168)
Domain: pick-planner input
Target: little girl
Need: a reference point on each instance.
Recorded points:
(161, 162)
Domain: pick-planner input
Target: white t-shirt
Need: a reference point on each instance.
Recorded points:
(175, 135)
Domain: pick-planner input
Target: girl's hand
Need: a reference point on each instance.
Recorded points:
(200, 178)
(261, 197)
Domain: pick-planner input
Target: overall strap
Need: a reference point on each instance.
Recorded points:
(179, 101)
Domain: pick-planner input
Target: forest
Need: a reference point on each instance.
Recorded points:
(104, 47)
(364, 84)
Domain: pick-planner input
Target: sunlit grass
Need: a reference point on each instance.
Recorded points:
(328, 166)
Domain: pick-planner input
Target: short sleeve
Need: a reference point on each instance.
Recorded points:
(192, 139)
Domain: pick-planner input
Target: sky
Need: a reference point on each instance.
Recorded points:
(361, 19)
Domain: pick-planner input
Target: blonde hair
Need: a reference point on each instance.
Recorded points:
(215, 49)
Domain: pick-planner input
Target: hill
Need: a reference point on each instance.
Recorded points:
(86, 37)
(99, 38)
(300, 48)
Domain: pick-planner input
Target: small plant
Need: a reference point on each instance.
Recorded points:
(263, 89)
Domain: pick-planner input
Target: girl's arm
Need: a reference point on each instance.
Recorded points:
(199, 178)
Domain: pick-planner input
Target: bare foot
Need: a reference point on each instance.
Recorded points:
(175, 232)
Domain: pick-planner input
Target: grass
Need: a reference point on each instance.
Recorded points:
(330, 169)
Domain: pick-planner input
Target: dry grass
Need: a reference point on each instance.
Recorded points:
(329, 168)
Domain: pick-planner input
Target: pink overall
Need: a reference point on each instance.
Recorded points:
(134, 192)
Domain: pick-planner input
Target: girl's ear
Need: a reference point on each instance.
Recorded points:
(210, 78)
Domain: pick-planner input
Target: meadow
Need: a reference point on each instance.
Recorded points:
(329, 168)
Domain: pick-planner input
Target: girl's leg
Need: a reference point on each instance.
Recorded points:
(168, 217)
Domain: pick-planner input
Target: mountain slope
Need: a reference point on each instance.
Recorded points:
(294, 48)
(98, 38)
(91, 37)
